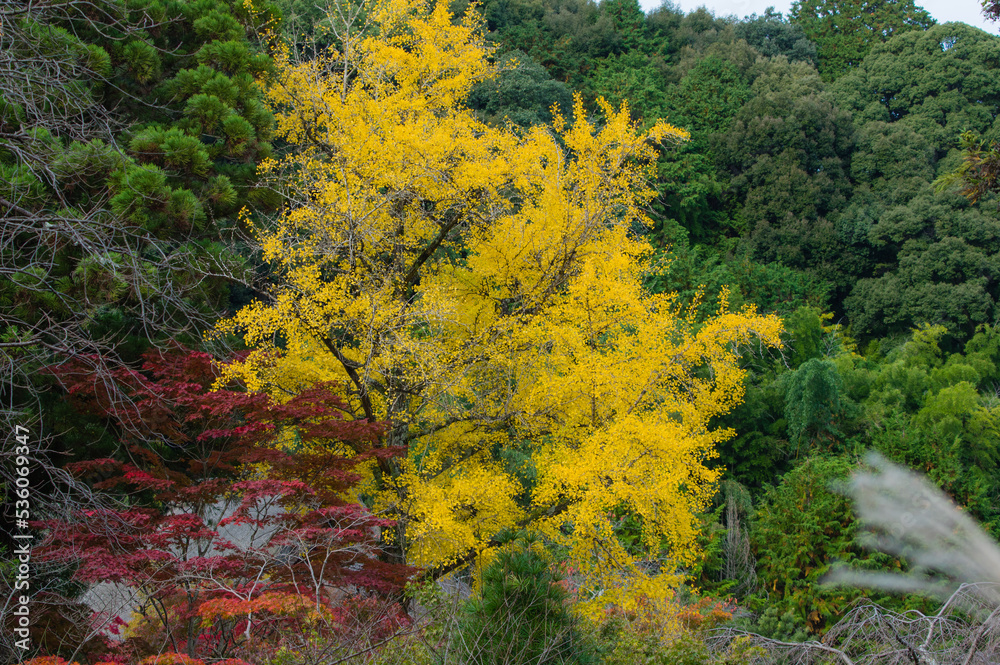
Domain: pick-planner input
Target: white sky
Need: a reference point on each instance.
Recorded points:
(966, 11)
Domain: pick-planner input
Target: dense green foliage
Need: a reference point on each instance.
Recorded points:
(521, 614)
(131, 135)
(931, 255)
(845, 31)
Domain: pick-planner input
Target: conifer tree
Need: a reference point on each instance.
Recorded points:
(129, 137)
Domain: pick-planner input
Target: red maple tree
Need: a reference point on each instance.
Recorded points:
(234, 530)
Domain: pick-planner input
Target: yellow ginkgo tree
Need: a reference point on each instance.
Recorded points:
(480, 289)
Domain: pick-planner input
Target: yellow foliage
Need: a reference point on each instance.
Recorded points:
(482, 292)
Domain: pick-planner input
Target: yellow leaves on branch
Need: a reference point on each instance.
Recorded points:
(482, 291)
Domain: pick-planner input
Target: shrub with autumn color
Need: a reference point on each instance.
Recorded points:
(231, 529)
(169, 658)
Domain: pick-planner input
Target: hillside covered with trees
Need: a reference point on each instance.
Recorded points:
(527, 331)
